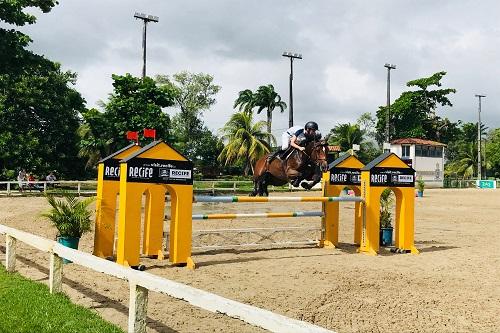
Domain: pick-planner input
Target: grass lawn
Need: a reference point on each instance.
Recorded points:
(27, 306)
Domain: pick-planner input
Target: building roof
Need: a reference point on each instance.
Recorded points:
(116, 153)
(417, 141)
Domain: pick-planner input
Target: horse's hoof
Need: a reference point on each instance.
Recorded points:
(305, 185)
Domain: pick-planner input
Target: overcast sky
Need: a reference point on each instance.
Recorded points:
(344, 45)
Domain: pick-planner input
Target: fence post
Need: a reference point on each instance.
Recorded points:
(55, 273)
(234, 187)
(10, 253)
(79, 188)
(44, 187)
(138, 308)
(8, 188)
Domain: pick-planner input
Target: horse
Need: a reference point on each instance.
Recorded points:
(298, 166)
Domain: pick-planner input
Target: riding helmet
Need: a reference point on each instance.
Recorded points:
(311, 125)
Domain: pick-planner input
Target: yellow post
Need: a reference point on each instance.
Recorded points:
(388, 171)
(108, 187)
(343, 172)
(152, 170)
(181, 226)
(154, 211)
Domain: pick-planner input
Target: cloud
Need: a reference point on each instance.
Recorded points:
(344, 45)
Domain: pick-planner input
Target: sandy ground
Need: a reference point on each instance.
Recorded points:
(452, 286)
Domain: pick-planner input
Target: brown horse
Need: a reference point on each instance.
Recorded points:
(299, 165)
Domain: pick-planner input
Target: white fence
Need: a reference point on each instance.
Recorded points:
(141, 282)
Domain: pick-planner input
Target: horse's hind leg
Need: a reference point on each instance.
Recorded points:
(255, 188)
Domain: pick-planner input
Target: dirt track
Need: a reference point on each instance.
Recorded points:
(452, 286)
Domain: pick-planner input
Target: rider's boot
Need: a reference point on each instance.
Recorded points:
(276, 154)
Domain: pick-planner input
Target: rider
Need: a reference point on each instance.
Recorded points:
(297, 137)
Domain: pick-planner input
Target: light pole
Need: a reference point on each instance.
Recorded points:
(479, 137)
(290, 109)
(145, 18)
(387, 118)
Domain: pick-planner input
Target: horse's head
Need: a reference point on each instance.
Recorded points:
(318, 154)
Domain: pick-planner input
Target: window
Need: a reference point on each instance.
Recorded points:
(418, 150)
(405, 151)
(432, 151)
(439, 151)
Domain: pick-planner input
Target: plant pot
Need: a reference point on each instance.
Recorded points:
(386, 236)
(420, 194)
(71, 242)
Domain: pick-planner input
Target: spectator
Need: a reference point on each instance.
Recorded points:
(51, 178)
(21, 177)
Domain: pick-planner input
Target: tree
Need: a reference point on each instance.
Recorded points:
(345, 135)
(245, 101)
(493, 153)
(245, 140)
(136, 104)
(267, 98)
(194, 94)
(38, 107)
(413, 113)
(94, 140)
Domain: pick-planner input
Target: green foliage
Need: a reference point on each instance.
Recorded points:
(420, 185)
(38, 107)
(28, 306)
(461, 153)
(386, 205)
(194, 94)
(346, 135)
(245, 101)
(493, 153)
(12, 11)
(69, 215)
(245, 141)
(136, 104)
(268, 99)
(413, 113)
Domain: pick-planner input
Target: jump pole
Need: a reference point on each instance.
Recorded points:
(255, 215)
(275, 199)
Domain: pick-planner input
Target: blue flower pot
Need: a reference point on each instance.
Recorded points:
(71, 242)
(420, 194)
(386, 236)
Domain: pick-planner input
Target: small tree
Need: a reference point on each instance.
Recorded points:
(69, 215)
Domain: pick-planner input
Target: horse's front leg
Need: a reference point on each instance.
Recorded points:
(295, 177)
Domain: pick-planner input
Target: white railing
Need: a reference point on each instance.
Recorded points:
(9, 187)
(81, 186)
(141, 282)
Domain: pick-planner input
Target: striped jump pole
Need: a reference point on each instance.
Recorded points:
(275, 199)
(254, 215)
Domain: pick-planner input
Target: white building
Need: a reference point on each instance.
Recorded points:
(425, 156)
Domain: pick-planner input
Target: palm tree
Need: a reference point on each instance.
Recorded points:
(267, 98)
(245, 101)
(91, 147)
(466, 164)
(345, 135)
(245, 141)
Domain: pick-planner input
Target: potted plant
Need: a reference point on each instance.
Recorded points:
(420, 187)
(386, 204)
(71, 218)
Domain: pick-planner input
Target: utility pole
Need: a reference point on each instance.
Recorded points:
(388, 117)
(479, 138)
(290, 106)
(145, 18)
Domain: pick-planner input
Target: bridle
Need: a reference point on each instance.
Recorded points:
(316, 161)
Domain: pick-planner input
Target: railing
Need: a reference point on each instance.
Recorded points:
(89, 187)
(80, 187)
(141, 282)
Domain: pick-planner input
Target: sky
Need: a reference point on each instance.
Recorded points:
(344, 44)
